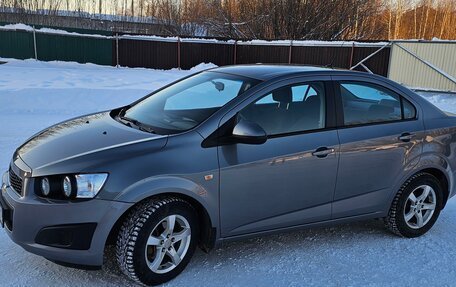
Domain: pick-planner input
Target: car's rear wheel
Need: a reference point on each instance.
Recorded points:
(416, 206)
(157, 240)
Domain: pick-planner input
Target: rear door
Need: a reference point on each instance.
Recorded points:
(380, 135)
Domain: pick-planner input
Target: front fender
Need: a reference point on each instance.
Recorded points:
(154, 186)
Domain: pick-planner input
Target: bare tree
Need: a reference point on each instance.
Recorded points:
(270, 19)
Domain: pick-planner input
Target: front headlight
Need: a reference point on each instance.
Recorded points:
(74, 186)
(45, 186)
(67, 186)
(88, 185)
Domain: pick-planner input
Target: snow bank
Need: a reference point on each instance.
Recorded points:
(69, 87)
(40, 74)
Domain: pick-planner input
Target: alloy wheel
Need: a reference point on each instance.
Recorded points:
(168, 244)
(420, 206)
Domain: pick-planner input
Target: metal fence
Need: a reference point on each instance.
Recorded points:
(176, 52)
(165, 53)
(425, 65)
(25, 44)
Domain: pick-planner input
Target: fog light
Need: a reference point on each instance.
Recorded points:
(45, 187)
(67, 190)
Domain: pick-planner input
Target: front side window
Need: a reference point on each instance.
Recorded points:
(187, 103)
(365, 103)
(289, 109)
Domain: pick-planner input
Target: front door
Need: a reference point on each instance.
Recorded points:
(290, 179)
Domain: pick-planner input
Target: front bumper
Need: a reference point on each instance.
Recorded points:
(30, 214)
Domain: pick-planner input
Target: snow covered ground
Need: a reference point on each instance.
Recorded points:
(34, 95)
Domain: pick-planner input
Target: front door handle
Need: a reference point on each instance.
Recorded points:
(406, 137)
(323, 152)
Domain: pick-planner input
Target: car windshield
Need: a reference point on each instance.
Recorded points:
(187, 103)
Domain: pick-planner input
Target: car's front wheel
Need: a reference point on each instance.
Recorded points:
(416, 206)
(157, 240)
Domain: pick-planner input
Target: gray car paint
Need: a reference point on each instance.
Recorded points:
(374, 152)
(276, 184)
(251, 189)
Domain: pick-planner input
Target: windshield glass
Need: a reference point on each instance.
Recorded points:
(187, 103)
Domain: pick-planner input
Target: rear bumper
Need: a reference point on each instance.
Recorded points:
(30, 215)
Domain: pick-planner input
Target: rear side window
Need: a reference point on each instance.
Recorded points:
(365, 103)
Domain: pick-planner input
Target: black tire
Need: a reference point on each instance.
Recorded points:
(395, 221)
(133, 235)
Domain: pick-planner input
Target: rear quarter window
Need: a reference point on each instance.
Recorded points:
(409, 109)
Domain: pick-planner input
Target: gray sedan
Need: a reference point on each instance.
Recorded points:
(226, 154)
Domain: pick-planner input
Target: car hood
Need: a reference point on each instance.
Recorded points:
(81, 137)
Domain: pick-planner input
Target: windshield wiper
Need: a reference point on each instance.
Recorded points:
(138, 124)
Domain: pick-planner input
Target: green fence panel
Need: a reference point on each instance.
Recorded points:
(16, 44)
(73, 48)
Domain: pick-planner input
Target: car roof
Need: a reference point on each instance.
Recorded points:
(267, 72)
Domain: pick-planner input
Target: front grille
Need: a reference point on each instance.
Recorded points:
(15, 181)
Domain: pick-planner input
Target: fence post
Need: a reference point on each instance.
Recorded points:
(117, 50)
(178, 53)
(290, 51)
(235, 52)
(34, 43)
(352, 54)
(389, 60)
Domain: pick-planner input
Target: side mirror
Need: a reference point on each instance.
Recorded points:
(249, 133)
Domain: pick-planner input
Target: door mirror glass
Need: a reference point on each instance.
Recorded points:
(249, 133)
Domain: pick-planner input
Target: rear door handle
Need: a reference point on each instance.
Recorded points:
(323, 152)
(406, 137)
